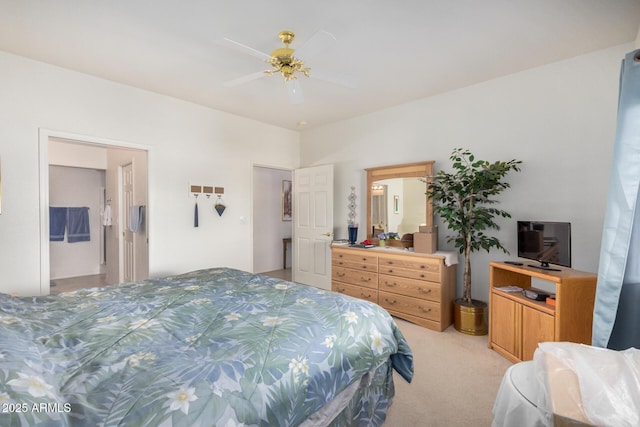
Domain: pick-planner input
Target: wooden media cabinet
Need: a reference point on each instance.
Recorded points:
(517, 324)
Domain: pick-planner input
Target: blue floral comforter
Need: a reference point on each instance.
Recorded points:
(212, 347)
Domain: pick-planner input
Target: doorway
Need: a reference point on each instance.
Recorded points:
(272, 224)
(78, 151)
(72, 259)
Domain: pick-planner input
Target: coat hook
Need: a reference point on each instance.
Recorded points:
(208, 191)
(219, 206)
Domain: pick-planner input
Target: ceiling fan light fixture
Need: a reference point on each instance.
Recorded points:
(283, 61)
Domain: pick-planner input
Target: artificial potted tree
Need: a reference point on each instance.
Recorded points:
(464, 201)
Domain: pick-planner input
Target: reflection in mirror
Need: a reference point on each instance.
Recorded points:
(379, 217)
(398, 205)
(396, 199)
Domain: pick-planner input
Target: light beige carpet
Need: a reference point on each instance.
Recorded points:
(455, 382)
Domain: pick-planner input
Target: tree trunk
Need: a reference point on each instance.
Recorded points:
(466, 290)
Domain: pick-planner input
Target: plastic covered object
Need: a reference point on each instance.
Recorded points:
(588, 385)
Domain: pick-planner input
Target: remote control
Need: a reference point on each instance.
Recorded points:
(513, 262)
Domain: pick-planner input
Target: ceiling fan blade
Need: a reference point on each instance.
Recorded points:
(243, 48)
(335, 78)
(295, 91)
(244, 79)
(319, 42)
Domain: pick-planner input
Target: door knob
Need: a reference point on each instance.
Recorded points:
(328, 234)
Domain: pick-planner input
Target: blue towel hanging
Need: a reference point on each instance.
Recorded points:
(78, 225)
(57, 223)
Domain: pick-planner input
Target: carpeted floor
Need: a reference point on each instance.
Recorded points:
(455, 383)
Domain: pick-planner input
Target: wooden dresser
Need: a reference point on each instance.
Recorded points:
(419, 288)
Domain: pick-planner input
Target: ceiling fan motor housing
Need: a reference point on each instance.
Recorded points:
(283, 61)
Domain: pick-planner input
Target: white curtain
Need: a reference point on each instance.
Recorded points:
(616, 322)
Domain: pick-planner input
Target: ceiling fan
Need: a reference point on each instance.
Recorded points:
(283, 62)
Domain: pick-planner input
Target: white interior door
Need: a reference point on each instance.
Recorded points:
(127, 264)
(313, 225)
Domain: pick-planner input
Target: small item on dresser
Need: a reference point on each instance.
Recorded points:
(513, 262)
(426, 240)
(364, 244)
(551, 300)
(535, 294)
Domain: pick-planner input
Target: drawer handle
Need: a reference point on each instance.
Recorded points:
(364, 267)
(424, 310)
(364, 258)
(423, 266)
(391, 285)
(340, 290)
(340, 256)
(365, 279)
(390, 262)
(390, 302)
(340, 274)
(422, 276)
(422, 291)
(390, 270)
(365, 296)
(340, 263)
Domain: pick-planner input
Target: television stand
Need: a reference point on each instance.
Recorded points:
(517, 324)
(544, 267)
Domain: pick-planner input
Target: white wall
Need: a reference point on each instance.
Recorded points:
(188, 143)
(268, 227)
(558, 119)
(77, 187)
(70, 153)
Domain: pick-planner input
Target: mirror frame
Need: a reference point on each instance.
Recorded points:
(406, 170)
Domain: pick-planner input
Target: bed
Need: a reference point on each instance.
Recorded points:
(212, 347)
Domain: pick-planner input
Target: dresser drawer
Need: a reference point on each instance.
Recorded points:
(367, 279)
(355, 291)
(426, 273)
(413, 306)
(410, 287)
(431, 265)
(357, 260)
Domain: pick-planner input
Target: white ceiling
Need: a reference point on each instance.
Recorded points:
(396, 51)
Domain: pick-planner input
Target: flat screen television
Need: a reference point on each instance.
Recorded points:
(546, 242)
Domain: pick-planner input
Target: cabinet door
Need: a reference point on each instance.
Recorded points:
(504, 324)
(537, 327)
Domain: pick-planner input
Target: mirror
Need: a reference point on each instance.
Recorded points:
(396, 199)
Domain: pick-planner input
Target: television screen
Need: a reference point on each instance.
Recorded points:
(545, 242)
